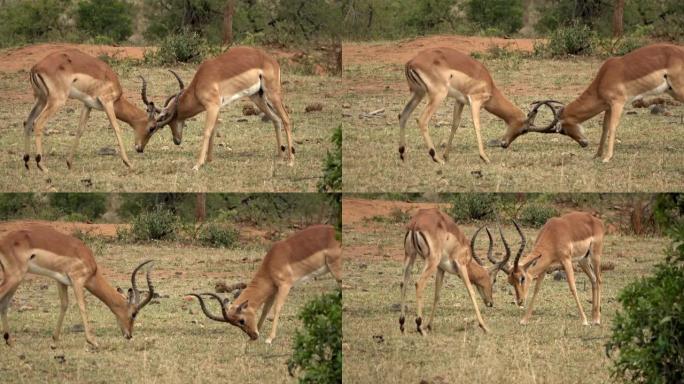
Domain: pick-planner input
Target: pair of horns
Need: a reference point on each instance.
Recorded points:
(555, 106)
(134, 293)
(501, 265)
(152, 109)
(222, 302)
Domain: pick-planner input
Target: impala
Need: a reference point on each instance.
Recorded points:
(441, 243)
(237, 73)
(41, 250)
(302, 256)
(72, 74)
(442, 72)
(573, 236)
(651, 70)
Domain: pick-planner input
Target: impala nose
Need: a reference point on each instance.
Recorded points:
(177, 141)
(139, 148)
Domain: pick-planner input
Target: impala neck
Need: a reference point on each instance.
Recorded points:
(129, 113)
(501, 107)
(188, 105)
(477, 273)
(257, 291)
(583, 108)
(100, 288)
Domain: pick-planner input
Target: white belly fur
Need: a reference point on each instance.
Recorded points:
(36, 265)
(320, 271)
(85, 98)
(225, 100)
(655, 91)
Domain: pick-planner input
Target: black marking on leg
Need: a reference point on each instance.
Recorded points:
(38, 158)
(419, 321)
(6, 336)
(282, 148)
(401, 323)
(401, 152)
(429, 327)
(432, 154)
(292, 149)
(26, 160)
(68, 164)
(401, 285)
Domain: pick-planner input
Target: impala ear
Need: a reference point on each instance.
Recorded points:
(242, 306)
(118, 289)
(531, 262)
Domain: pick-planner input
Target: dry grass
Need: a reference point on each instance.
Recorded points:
(243, 155)
(174, 342)
(648, 154)
(553, 348)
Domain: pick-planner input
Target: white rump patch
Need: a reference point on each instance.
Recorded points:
(245, 92)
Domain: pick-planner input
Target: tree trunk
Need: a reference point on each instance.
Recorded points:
(228, 14)
(200, 208)
(618, 13)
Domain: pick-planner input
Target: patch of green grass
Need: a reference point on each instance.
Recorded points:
(648, 151)
(243, 154)
(553, 348)
(173, 341)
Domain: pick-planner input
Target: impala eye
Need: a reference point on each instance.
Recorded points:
(134, 315)
(522, 279)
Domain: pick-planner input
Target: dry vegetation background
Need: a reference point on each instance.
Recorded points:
(553, 348)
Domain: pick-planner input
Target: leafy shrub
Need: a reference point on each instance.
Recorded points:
(648, 334)
(158, 224)
(496, 16)
(110, 18)
(572, 40)
(90, 206)
(473, 206)
(317, 349)
(332, 171)
(217, 235)
(536, 214)
(12, 204)
(27, 21)
(184, 47)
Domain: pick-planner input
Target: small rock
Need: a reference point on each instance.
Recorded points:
(378, 339)
(77, 328)
(60, 359)
(657, 109)
(315, 107)
(346, 105)
(346, 114)
(25, 308)
(476, 174)
(249, 110)
(70, 110)
(87, 182)
(559, 276)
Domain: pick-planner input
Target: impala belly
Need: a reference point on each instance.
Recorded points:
(645, 86)
(456, 82)
(81, 88)
(235, 88)
(579, 249)
(309, 268)
(42, 262)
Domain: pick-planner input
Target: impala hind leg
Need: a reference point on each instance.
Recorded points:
(409, 259)
(7, 289)
(209, 126)
(439, 280)
(435, 99)
(28, 128)
(63, 306)
(615, 114)
(51, 107)
(416, 98)
(280, 297)
(261, 103)
(458, 111)
(85, 115)
(570, 273)
(430, 268)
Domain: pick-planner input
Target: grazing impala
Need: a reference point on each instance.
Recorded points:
(651, 70)
(302, 256)
(41, 250)
(441, 243)
(573, 236)
(443, 72)
(239, 72)
(71, 74)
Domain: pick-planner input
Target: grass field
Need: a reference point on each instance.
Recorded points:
(648, 151)
(243, 154)
(173, 341)
(553, 348)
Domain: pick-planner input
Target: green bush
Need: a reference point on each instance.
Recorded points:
(537, 214)
(184, 47)
(648, 334)
(317, 349)
(88, 206)
(332, 170)
(473, 206)
(110, 18)
(217, 235)
(13, 204)
(495, 16)
(573, 40)
(28, 21)
(158, 224)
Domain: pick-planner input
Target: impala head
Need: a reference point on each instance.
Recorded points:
(485, 286)
(241, 314)
(557, 125)
(517, 275)
(134, 304)
(160, 117)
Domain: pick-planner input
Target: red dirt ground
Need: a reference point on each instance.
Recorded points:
(403, 50)
(107, 230)
(356, 210)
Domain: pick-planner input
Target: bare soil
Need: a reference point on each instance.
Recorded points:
(105, 230)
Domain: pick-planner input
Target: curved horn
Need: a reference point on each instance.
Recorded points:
(136, 294)
(552, 127)
(503, 264)
(472, 245)
(180, 81)
(143, 92)
(522, 246)
(206, 311)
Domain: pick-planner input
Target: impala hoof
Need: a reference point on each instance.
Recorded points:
(196, 167)
(269, 341)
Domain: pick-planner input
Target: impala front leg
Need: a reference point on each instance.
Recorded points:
(463, 271)
(475, 105)
(63, 306)
(280, 297)
(614, 121)
(209, 126)
(85, 114)
(80, 299)
(430, 268)
(111, 115)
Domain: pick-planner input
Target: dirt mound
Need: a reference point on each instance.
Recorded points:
(402, 51)
(356, 210)
(23, 58)
(108, 230)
